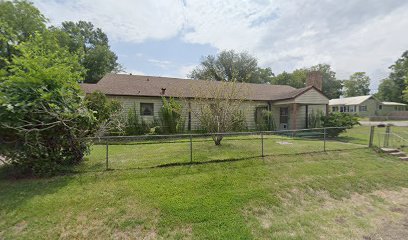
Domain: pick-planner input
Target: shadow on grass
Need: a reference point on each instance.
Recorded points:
(215, 161)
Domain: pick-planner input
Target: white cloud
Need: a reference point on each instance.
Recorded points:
(124, 20)
(164, 64)
(352, 35)
(184, 70)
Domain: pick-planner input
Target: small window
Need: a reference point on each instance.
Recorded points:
(284, 115)
(363, 108)
(335, 109)
(146, 109)
(380, 107)
(341, 109)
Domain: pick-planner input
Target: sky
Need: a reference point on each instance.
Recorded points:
(169, 37)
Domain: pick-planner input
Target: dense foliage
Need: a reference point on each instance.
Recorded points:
(392, 88)
(134, 124)
(231, 66)
(43, 118)
(98, 59)
(170, 115)
(107, 113)
(340, 123)
(357, 85)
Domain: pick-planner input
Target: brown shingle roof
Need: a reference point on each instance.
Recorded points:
(137, 85)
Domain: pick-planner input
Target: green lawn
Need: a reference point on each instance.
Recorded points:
(353, 193)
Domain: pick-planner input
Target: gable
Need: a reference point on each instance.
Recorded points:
(312, 96)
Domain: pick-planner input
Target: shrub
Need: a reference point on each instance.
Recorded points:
(341, 120)
(267, 122)
(43, 119)
(107, 113)
(170, 116)
(315, 119)
(134, 124)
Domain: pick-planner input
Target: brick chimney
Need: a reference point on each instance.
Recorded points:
(315, 78)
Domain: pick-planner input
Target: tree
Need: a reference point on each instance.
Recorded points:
(98, 59)
(219, 107)
(392, 88)
(332, 87)
(357, 85)
(296, 79)
(231, 66)
(43, 119)
(19, 20)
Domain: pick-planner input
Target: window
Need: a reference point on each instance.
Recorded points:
(284, 115)
(259, 115)
(335, 109)
(341, 109)
(146, 109)
(363, 108)
(380, 107)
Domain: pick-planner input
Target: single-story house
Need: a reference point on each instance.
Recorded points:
(365, 106)
(290, 107)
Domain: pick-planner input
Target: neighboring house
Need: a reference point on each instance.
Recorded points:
(365, 106)
(290, 106)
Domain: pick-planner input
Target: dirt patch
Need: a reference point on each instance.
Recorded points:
(308, 213)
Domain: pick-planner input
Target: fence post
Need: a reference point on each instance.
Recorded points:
(107, 156)
(324, 139)
(262, 144)
(191, 148)
(387, 136)
(370, 143)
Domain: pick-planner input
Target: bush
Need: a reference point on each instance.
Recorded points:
(107, 113)
(315, 119)
(341, 120)
(170, 116)
(135, 125)
(43, 119)
(267, 122)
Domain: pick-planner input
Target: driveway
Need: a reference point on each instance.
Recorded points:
(395, 123)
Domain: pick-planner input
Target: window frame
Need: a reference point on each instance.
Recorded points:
(144, 104)
(284, 110)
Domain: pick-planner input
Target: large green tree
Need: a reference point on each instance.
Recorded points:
(392, 88)
(296, 79)
(19, 20)
(357, 85)
(98, 59)
(332, 87)
(231, 66)
(43, 118)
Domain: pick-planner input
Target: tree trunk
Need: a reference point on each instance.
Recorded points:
(217, 140)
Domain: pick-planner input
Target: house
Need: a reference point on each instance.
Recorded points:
(365, 106)
(290, 107)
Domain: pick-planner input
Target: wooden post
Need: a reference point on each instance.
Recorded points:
(294, 116)
(387, 136)
(107, 156)
(191, 148)
(262, 144)
(370, 143)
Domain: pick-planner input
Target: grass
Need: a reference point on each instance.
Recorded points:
(338, 194)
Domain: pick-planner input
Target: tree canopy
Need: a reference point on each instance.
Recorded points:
(19, 20)
(357, 85)
(98, 59)
(392, 88)
(231, 66)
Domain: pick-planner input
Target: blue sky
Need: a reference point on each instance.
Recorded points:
(168, 37)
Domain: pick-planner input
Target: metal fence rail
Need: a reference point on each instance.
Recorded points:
(160, 150)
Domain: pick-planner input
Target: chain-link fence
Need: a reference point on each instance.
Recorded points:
(391, 137)
(127, 152)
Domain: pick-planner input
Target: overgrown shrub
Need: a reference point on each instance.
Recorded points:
(107, 113)
(315, 119)
(43, 118)
(340, 120)
(134, 124)
(170, 116)
(267, 122)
